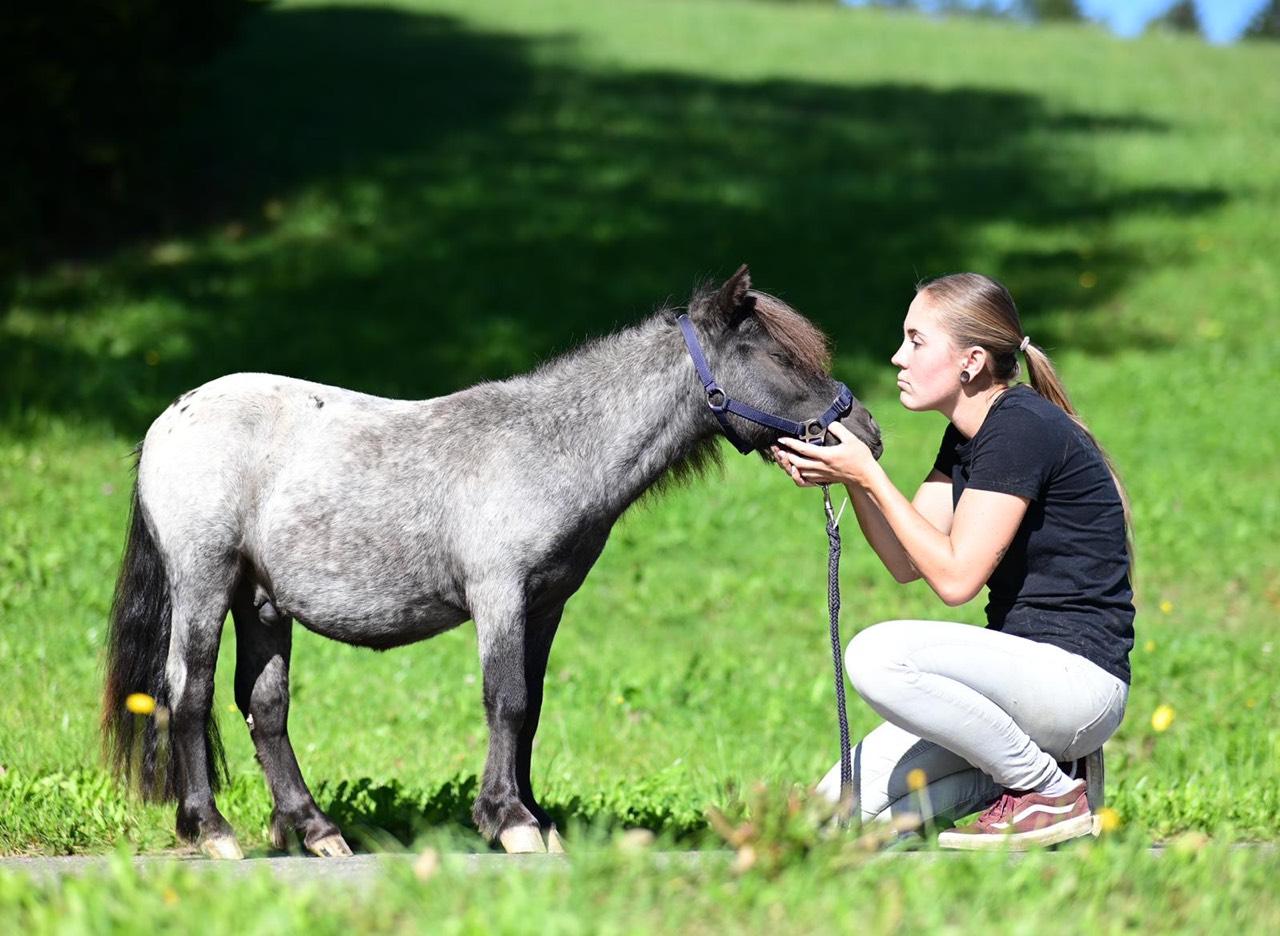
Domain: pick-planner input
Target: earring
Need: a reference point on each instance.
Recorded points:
(965, 376)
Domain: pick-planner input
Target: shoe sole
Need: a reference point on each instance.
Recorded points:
(1021, 841)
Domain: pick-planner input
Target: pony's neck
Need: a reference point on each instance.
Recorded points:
(627, 409)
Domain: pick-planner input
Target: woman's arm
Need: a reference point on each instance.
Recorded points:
(958, 564)
(932, 501)
(956, 561)
(880, 537)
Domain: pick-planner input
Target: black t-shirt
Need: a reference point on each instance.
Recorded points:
(1065, 577)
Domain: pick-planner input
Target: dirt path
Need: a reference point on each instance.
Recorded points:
(356, 870)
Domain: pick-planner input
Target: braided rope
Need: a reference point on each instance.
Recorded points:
(837, 662)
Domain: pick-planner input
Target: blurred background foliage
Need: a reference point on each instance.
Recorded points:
(89, 89)
(458, 203)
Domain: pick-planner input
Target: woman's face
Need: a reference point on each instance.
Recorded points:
(928, 364)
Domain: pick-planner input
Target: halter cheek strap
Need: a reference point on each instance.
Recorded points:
(721, 404)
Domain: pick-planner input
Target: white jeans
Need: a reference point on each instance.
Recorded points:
(975, 709)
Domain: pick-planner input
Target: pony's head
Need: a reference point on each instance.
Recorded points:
(766, 354)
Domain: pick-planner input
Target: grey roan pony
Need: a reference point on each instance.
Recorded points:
(382, 522)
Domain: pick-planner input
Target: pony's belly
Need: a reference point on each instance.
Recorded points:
(382, 628)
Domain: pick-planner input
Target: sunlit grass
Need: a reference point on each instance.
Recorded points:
(1108, 886)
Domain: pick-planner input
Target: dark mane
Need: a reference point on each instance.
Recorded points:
(803, 341)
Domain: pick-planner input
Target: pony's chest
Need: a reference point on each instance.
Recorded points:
(561, 565)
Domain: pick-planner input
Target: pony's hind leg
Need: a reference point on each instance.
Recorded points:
(199, 608)
(262, 695)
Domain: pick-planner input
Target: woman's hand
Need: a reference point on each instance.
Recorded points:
(849, 462)
(783, 458)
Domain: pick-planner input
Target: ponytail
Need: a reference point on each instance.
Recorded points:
(1045, 381)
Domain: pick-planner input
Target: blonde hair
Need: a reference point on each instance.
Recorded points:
(976, 310)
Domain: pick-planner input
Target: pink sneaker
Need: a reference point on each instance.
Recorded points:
(1019, 820)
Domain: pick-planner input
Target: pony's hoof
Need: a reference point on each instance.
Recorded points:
(555, 844)
(222, 848)
(331, 846)
(522, 840)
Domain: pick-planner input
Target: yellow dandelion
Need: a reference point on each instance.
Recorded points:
(1162, 717)
(170, 896)
(1250, 703)
(1150, 646)
(1109, 819)
(140, 703)
(917, 780)
(1166, 607)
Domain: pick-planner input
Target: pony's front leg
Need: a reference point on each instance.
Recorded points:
(540, 631)
(498, 811)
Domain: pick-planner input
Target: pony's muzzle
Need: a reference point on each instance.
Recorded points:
(861, 424)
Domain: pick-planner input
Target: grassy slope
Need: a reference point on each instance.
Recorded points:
(512, 177)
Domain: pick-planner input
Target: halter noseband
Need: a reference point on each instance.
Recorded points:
(811, 431)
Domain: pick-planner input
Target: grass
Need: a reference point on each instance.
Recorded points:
(407, 198)
(1105, 889)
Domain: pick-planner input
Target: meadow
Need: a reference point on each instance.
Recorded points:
(406, 198)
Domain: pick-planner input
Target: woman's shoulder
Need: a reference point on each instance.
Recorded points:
(1022, 419)
(1022, 405)
(1026, 397)
(1027, 416)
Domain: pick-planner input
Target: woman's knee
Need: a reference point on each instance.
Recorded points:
(875, 657)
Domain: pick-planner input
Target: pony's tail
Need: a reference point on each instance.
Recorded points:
(136, 742)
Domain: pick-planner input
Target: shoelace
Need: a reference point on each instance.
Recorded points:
(996, 811)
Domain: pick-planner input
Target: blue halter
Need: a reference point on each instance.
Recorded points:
(811, 431)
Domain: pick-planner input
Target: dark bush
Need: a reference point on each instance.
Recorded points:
(89, 88)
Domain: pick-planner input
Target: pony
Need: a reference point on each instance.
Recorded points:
(382, 522)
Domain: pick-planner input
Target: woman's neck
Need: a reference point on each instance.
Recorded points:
(972, 405)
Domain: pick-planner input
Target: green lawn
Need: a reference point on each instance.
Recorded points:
(1113, 888)
(406, 198)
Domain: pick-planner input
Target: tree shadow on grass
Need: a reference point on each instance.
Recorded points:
(402, 205)
(375, 815)
(368, 812)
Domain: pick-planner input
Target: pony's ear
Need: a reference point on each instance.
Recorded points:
(733, 299)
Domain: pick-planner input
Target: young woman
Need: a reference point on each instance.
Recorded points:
(1020, 499)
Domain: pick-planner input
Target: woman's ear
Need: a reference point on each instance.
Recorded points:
(974, 361)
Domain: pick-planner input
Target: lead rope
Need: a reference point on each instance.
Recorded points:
(847, 804)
